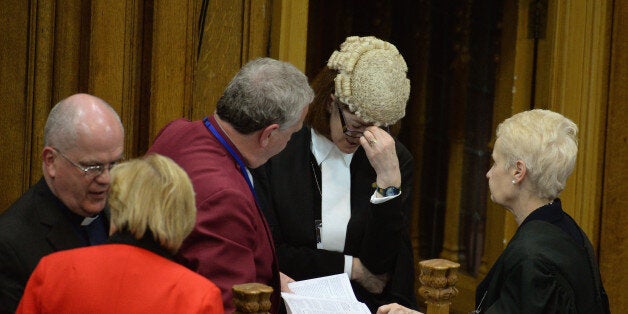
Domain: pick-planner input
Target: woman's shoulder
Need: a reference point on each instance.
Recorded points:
(541, 241)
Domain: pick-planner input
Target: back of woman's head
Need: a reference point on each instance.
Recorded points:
(547, 142)
(155, 194)
(318, 113)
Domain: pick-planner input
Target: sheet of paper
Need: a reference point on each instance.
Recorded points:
(329, 287)
(326, 295)
(296, 304)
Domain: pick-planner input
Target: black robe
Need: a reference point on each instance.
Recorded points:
(377, 234)
(37, 224)
(548, 267)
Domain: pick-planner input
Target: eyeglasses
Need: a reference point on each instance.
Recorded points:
(345, 130)
(348, 132)
(89, 170)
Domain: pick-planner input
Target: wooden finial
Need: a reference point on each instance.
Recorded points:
(438, 284)
(252, 298)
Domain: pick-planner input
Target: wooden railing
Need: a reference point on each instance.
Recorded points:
(438, 279)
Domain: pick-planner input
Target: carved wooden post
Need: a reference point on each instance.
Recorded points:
(438, 284)
(252, 298)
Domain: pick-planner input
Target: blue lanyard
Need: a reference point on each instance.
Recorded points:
(226, 145)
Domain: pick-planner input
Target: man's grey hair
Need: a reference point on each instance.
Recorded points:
(265, 91)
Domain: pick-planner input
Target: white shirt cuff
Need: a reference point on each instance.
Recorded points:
(348, 264)
(379, 200)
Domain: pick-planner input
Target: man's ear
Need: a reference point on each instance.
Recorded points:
(266, 133)
(48, 156)
(519, 171)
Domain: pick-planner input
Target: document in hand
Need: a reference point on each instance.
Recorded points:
(331, 294)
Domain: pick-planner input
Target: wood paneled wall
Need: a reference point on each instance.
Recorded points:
(153, 61)
(573, 80)
(12, 89)
(613, 248)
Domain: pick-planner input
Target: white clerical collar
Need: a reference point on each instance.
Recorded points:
(88, 220)
(322, 146)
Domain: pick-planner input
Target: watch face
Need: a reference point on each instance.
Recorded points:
(389, 191)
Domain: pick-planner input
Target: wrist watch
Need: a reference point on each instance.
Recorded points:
(389, 191)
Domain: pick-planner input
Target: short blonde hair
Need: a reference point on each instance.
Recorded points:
(547, 142)
(153, 193)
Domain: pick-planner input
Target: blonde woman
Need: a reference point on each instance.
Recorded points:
(152, 211)
(549, 265)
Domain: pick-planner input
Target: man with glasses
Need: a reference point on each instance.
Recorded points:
(83, 140)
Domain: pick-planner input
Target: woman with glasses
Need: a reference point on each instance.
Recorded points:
(337, 198)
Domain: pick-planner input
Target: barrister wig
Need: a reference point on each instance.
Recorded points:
(371, 79)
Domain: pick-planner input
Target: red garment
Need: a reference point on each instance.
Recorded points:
(116, 278)
(231, 242)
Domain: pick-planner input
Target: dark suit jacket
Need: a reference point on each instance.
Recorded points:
(34, 226)
(377, 234)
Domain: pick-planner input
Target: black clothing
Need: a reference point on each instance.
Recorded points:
(548, 267)
(376, 233)
(35, 225)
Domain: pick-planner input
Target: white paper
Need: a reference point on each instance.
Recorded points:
(331, 294)
(296, 304)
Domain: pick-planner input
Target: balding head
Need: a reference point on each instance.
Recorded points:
(82, 132)
(79, 114)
